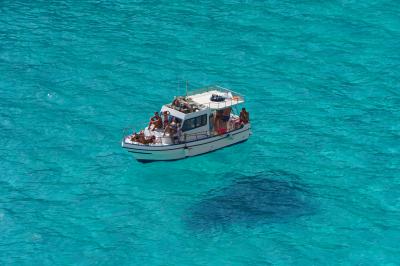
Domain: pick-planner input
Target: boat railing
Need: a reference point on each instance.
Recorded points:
(213, 87)
(129, 131)
(212, 104)
(197, 136)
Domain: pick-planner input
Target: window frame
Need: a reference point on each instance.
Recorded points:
(195, 122)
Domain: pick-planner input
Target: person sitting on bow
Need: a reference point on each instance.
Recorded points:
(140, 138)
(135, 137)
(150, 140)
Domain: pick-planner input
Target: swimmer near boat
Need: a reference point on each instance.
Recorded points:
(204, 120)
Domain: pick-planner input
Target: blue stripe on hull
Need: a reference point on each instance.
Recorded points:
(132, 151)
(218, 139)
(149, 161)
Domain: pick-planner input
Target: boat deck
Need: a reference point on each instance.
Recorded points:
(167, 139)
(203, 99)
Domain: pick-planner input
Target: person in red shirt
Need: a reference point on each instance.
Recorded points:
(244, 116)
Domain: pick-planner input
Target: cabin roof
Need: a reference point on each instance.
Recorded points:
(200, 99)
(204, 99)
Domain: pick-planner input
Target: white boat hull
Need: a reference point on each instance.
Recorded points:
(148, 153)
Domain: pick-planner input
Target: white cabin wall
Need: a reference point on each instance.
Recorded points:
(189, 134)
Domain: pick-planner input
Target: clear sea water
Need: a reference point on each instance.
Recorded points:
(318, 183)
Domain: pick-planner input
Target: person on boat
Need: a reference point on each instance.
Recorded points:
(150, 140)
(166, 119)
(244, 116)
(226, 115)
(156, 121)
(174, 126)
(189, 107)
(171, 128)
(176, 103)
(178, 133)
(218, 120)
(135, 137)
(140, 137)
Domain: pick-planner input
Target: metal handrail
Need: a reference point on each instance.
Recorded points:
(202, 133)
(218, 103)
(229, 90)
(213, 87)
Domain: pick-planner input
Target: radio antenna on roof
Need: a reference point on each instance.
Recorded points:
(186, 88)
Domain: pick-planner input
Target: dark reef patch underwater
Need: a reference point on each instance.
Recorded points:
(269, 197)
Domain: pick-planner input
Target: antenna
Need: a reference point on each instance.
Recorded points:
(186, 88)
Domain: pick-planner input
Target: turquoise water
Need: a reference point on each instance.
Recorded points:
(317, 183)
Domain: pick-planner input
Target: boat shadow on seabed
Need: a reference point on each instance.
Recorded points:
(271, 197)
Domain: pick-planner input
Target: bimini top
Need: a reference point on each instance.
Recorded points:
(211, 97)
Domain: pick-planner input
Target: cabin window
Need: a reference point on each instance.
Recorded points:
(188, 125)
(194, 122)
(177, 120)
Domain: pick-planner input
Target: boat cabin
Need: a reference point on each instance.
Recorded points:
(205, 112)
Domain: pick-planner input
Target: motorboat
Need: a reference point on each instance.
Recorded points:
(204, 120)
